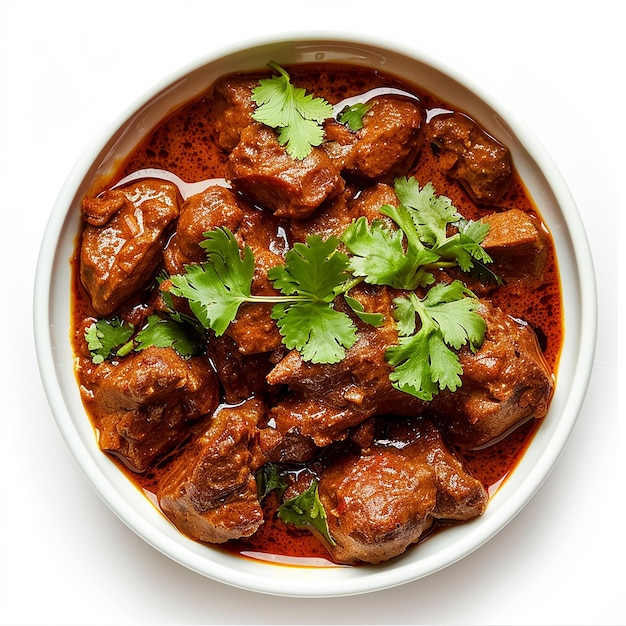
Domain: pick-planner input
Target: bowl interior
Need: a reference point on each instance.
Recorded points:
(52, 321)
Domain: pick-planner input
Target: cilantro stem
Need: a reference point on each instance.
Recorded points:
(126, 348)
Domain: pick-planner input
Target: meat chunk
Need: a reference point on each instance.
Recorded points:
(145, 405)
(241, 375)
(517, 244)
(200, 213)
(119, 259)
(210, 494)
(328, 399)
(382, 500)
(253, 331)
(506, 382)
(289, 448)
(467, 153)
(233, 109)
(98, 211)
(389, 142)
(261, 169)
(338, 213)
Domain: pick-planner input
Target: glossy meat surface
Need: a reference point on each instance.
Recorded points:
(382, 500)
(263, 171)
(469, 154)
(210, 494)
(120, 257)
(147, 404)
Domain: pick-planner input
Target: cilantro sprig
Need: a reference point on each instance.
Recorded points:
(403, 258)
(114, 338)
(108, 338)
(425, 360)
(313, 275)
(296, 116)
(352, 115)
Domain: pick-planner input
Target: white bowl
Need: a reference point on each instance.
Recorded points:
(56, 362)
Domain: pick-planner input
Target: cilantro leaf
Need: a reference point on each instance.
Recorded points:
(295, 115)
(352, 115)
(306, 510)
(430, 216)
(423, 361)
(314, 268)
(314, 273)
(216, 289)
(269, 479)
(373, 319)
(380, 255)
(319, 332)
(430, 213)
(164, 332)
(106, 338)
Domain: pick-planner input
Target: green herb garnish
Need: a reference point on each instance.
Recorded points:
(306, 510)
(165, 332)
(296, 116)
(108, 338)
(352, 115)
(269, 479)
(314, 273)
(424, 362)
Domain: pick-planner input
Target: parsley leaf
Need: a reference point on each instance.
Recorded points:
(108, 338)
(352, 115)
(296, 116)
(423, 361)
(306, 510)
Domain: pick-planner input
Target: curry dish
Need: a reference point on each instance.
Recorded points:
(335, 346)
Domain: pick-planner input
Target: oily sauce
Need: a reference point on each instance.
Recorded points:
(184, 144)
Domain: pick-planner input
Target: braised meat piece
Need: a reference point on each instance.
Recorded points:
(382, 500)
(289, 448)
(467, 153)
(200, 213)
(241, 375)
(210, 493)
(337, 214)
(232, 109)
(327, 399)
(145, 405)
(119, 259)
(517, 243)
(263, 171)
(253, 331)
(98, 211)
(504, 382)
(389, 142)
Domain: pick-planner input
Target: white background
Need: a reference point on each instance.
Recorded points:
(68, 69)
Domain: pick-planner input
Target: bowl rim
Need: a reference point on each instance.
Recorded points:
(310, 583)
